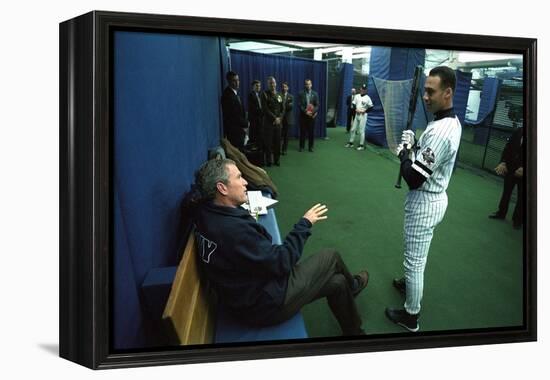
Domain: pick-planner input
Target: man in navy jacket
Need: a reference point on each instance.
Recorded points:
(259, 282)
(309, 106)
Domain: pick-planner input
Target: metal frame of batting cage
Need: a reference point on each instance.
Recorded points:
(86, 183)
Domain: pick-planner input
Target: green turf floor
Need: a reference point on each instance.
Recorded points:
(474, 275)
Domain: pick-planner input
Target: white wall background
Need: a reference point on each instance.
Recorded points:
(29, 189)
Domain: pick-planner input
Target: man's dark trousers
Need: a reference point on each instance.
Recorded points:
(510, 180)
(323, 274)
(306, 127)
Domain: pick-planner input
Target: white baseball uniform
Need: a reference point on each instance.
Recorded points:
(434, 159)
(362, 103)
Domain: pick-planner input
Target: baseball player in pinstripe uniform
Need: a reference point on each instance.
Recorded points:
(427, 169)
(363, 105)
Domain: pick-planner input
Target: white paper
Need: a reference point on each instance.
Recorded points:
(257, 203)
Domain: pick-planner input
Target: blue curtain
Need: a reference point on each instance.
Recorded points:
(488, 100)
(294, 71)
(165, 89)
(462, 91)
(391, 64)
(344, 91)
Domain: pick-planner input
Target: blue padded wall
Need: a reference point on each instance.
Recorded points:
(251, 66)
(166, 116)
(344, 91)
(487, 102)
(462, 91)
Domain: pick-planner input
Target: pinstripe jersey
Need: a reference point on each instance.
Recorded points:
(435, 153)
(362, 103)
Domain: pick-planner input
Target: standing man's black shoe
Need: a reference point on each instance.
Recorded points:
(496, 215)
(311, 150)
(277, 163)
(400, 285)
(404, 319)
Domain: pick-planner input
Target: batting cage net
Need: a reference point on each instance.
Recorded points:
(394, 96)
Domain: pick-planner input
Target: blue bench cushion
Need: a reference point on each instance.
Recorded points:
(229, 330)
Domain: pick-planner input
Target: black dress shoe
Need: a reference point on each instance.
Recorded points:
(283, 152)
(311, 150)
(277, 163)
(496, 215)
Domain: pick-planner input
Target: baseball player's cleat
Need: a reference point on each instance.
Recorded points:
(349, 145)
(404, 319)
(361, 281)
(361, 147)
(400, 285)
(496, 215)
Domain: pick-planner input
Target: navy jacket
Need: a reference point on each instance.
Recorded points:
(249, 273)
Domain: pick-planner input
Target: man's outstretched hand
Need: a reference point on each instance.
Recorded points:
(316, 213)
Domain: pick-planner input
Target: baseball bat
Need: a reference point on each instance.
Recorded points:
(412, 108)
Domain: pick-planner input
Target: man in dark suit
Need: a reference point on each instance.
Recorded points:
(309, 106)
(255, 113)
(511, 168)
(350, 108)
(234, 117)
(288, 116)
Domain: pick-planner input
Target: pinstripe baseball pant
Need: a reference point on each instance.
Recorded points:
(358, 126)
(423, 212)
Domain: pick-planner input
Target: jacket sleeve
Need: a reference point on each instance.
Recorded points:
(302, 100)
(242, 114)
(258, 254)
(315, 102)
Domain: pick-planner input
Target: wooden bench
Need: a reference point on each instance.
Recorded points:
(189, 315)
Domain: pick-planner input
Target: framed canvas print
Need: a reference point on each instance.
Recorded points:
(228, 189)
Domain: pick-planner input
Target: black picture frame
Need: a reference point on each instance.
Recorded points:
(85, 184)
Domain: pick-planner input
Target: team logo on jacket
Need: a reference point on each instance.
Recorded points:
(206, 248)
(428, 156)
